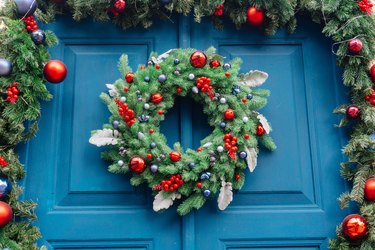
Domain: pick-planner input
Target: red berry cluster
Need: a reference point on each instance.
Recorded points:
(157, 187)
(126, 112)
(120, 5)
(173, 183)
(231, 145)
(30, 23)
(12, 92)
(365, 6)
(219, 10)
(371, 98)
(204, 84)
(3, 162)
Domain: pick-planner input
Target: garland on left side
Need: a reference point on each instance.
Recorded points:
(23, 62)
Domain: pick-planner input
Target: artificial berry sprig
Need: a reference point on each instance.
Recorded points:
(12, 92)
(371, 98)
(231, 145)
(3, 162)
(126, 112)
(365, 6)
(30, 23)
(174, 182)
(204, 84)
(219, 10)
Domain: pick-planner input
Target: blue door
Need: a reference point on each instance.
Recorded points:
(289, 202)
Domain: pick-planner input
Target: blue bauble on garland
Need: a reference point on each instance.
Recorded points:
(38, 37)
(26, 7)
(5, 188)
(5, 67)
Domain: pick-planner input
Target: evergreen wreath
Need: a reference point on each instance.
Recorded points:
(140, 100)
(349, 23)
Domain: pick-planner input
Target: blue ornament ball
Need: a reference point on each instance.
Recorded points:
(147, 78)
(191, 164)
(153, 145)
(154, 168)
(162, 78)
(5, 67)
(227, 66)
(5, 188)
(150, 63)
(223, 124)
(115, 124)
(26, 7)
(38, 37)
(205, 176)
(206, 193)
(176, 61)
(242, 155)
(249, 96)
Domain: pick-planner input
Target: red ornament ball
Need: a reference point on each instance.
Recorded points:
(370, 189)
(198, 59)
(355, 46)
(215, 64)
(55, 71)
(156, 98)
(353, 112)
(175, 156)
(137, 164)
(260, 130)
(354, 227)
(246, 136)
(151, 131)
(255, 16)
(229, 114)
(6, 214)
(129, 77)
(199, 184)
(120, 5)
(372, 73)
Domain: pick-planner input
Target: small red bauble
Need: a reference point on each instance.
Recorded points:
(175, 156)
(156, 98)
(370, 189)
(151, 131)
(126, 89)
(244, 100)
(120, 5)
(157, 66)
(353, 112)
(129, 77)
(55, 71)
(219, 10)
(355, 46)
(6, 214)
(229, 114)
(260, 130)
(179, 90)
(149, 156)
(255, 16)
(198, 59)
(137, 164)
(227, 74)
(199, 184)
(372, 73)
(238, 176)
(215, 64)
(246, 136)
(354, 227)
(199, 149)
(160, 112)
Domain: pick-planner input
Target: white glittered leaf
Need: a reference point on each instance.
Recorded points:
(225, 195)
(162, 57)
(254, 78)
(161, 202)
(264, 123)
(206, 145)
(104, 137)
(112, 90)
(251, 159)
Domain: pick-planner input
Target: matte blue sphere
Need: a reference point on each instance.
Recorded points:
(153, 145)
(154, 168)
(5, 67)
(162, 78)
(249, 96)
(115, 124)
(205, 176)
(191, 164)
(147, 78)
(227, 66)
(206, 193)
(242, 155)
(26, 7)
(38, 37)
(5, 188)
(176, 61)
(223, 124)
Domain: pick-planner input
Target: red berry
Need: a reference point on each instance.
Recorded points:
(179, 90)
(246, 136)
(238, 176)
(151, 130)
(199, 185)
(175, 186)
(126, 89)
(142, 67)
(227, 74)
(199, 149)
(149, 156)
(157, 66)
(160, 112)
(244, 100)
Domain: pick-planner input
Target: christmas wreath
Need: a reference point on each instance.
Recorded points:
(140, 100)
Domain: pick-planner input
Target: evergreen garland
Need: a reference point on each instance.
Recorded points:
(343, 20)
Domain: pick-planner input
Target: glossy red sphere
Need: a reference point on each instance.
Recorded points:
(55, 71)
(255, 16)
(137, 164)
(6, 214)
(260, 130)
(370, 189)
(175, 156)
(353, 111)
(215, 64)
(355, 46)
(156, 98)
(372, 73)
(354, 226)
(129, 77)
(229, 114)
(198, 59)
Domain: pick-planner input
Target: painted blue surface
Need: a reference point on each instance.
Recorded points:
(289, 202)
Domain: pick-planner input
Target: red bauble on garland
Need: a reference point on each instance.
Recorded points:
(215, 64)
(255, 16)
(370, 189)
(355, 46)
(353, 111)
(219, 10)
(119, 5)
(3, 162)
(156, 98)
(198, 59)
(175, 156)
(6, 214)
(229, 114)
(129, 77)
(137, 164)
(372, 73)
(354, 227)
(55, 71)
(260, 130)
